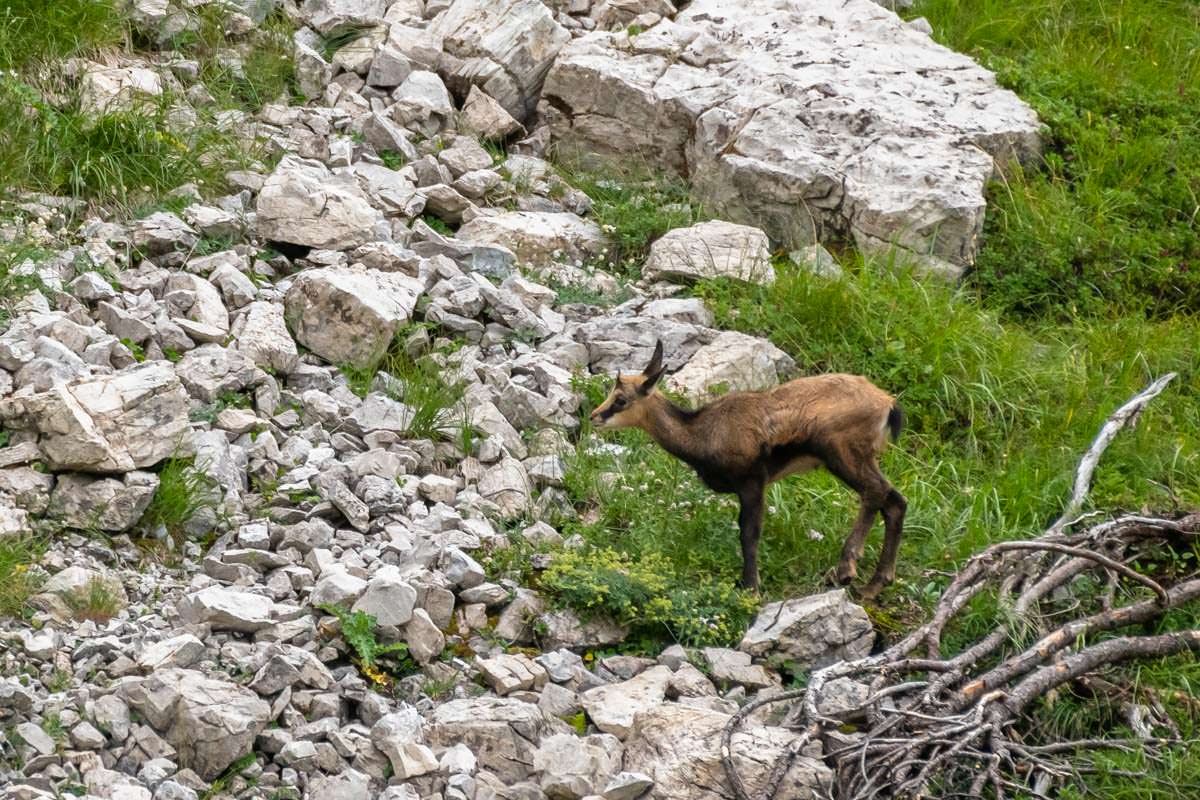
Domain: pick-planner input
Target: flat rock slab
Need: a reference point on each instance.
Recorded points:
(679, 748)
(809, 120)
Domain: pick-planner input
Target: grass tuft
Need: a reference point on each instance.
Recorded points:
(183, 492)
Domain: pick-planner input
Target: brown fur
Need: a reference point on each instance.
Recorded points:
(744, 441)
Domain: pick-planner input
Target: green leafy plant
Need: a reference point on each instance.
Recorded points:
(18, 554)
(647, 593)
(376, 661)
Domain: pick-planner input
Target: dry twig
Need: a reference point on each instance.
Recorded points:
(956, 724)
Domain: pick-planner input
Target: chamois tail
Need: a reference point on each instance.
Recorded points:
(895, 421)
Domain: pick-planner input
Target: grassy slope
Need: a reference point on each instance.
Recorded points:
(1110, 221)
(1082, 295)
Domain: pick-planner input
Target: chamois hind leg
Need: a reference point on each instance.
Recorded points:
(893, 522)
(750, 523)
(863, 476)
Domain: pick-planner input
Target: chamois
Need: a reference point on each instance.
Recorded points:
(743, 441)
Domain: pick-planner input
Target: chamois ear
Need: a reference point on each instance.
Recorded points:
(653, 371)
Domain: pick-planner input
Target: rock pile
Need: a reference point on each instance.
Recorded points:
(320, 480)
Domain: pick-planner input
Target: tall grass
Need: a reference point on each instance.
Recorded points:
(1109, 221)
(998, 416)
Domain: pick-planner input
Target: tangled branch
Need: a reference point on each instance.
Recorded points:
(1071, 598)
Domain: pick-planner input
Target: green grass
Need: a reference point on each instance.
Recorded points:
(183, 492)
(96, 602)
(14, 284)
(1109, 220)
(634, 207)
(130, 159)
(998, 416)
(437, 406)
(17, 555)
(35, 32)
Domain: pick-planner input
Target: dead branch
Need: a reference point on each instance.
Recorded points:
(960, 723)
(1124, 416)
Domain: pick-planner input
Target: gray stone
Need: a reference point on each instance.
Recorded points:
(503, 46)
(731, 362)
(129, 420)
(713, 249)
(812, 631)
(613, 708)
(502, 733)
(227, 609)
(679, 748)
(887, 137)
(81, 501)
(537, 237)
(573, 767)
(178, 651)
(262, 334)
(211, 723)
(388, 598)
(349, 316)
(303, 203)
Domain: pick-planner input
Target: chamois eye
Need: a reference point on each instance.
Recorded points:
(619, 403)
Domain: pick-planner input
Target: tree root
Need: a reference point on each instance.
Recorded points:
(958, 725)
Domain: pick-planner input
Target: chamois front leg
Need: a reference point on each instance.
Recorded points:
(750, 520)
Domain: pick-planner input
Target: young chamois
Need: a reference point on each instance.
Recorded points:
(743, 441)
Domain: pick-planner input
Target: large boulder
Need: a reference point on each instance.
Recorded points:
(502, 733)
(537, 237)
(811, 632)
(614, 707)
(211, 723)
(882, 135)
(732, 362)
(262, 334)
(107, 504)
(626, 343)
(713, 249)
(128, 420)
(303, 203)
(680, 748)
(505, 47)
(347, 315)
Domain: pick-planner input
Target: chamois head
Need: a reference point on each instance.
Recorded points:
(623, 408)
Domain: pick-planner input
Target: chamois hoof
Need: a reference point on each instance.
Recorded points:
(846, 573)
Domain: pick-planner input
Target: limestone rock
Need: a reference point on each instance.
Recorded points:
(501, 732)
(486, 118)
(227, 609)
(712, 249)
(537, 237)
(679, 748)
(505, 47)
(886, 136)
(327, 16)
(507, 485)
(129, 420)
(262, 334)
(303, 203)
(626, 343)
(614, 707)
(81, 501)
(211, 723)
(731, 362)
(117, 89)
(349, 316)
(572, 767)
(812, 631)
(509, 673)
